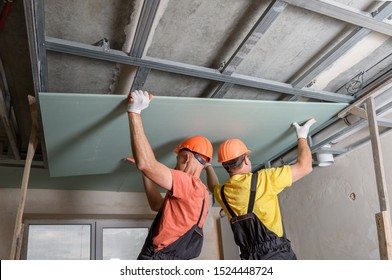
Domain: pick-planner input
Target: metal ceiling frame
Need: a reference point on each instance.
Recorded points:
(367, 22)
(147, 17)
(266, 20)
(79, 49)
(35, 24)
(360, 124)
(330, 8)
(261, 26)
(143, 29)
(8, 117)
(9, 128)
(344, 13)
(347, 43)
(44, 44)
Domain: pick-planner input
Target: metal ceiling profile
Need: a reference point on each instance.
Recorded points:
(64, 46)
(347, 124)
(340, 11)
(8, 118)
(138, 63)
(265, 21)
(8, 139)
(146, 19)
(383, 12)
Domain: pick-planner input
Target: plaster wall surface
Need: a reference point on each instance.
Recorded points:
(330, 214)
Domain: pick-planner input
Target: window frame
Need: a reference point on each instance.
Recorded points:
(97, 225)
(102, 224)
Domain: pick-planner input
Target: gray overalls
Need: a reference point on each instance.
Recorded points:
(256, 242)
(187, 246)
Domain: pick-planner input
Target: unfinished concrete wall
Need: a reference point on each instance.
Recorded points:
(330, 214)
(88, 203)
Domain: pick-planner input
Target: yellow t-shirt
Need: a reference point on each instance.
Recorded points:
(270, 183)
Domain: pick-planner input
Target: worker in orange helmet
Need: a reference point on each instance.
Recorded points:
(250, 200)
(176, 232)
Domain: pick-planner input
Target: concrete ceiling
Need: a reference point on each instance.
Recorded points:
(293, 50)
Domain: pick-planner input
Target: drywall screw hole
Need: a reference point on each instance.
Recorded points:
(352, 196)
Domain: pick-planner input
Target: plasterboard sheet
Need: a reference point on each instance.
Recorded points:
(88, 134)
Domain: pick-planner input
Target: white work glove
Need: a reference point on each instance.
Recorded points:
(138, 100)
(302, 131)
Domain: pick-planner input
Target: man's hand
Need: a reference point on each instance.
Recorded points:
(138, 101)
(302, 131)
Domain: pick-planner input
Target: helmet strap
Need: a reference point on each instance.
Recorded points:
(199, 158)
(230, 165)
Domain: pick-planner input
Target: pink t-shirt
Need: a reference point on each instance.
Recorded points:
(181, 208)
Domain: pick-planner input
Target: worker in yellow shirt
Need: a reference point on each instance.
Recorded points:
(250, 200)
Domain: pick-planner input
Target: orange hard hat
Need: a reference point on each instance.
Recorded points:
(197, 144)
(231, 149)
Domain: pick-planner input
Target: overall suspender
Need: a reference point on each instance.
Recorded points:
(254, 239)
(252, 196)
(201, 213)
